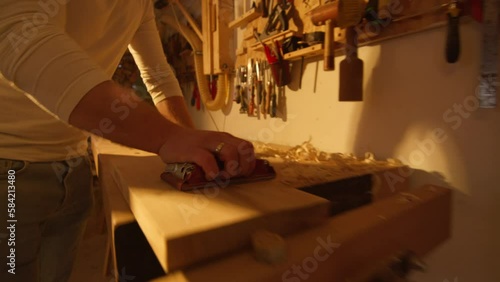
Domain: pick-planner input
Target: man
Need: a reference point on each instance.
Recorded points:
(56, 61)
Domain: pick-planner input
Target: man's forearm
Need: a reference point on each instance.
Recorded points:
(113, 112)
(174, 109)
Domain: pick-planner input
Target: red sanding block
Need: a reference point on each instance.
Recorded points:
(189, 176)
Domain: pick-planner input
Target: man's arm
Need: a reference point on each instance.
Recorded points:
(174, 109)
(55, 70)
(145, 128)
(160, 80)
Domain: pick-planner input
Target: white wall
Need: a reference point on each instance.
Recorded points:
(410, 91)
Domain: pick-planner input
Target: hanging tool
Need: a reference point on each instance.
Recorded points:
(327, 15)
(264, 8)
(279, 66)
(273, 100)
(350, 12)
(251, 87)
(351, 70)
(237, 88)
(489, 59)
(453, 35)
(268, 85)
(258, 86)
(196, 97)
(242, 90)
(277, 20)
(329, 45)
(264, 79)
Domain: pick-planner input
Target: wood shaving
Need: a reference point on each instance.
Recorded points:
(304, 165)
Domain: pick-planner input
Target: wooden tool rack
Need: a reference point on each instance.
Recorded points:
(398, 18)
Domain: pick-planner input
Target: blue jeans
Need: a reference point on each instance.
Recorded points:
(52, 203)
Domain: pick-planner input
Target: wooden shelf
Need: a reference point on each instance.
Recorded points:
(310, 51)
(245, 18)
(277, 37)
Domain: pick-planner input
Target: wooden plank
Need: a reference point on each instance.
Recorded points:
(346, 245)
(186, 228)
(218, 38)
(238, 210)
(245, 18)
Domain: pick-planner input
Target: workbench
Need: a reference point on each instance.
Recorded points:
(351, 227)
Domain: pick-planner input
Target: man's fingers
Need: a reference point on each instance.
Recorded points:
(229, 155)
(247, 157)
(238, 154)
(207, 162)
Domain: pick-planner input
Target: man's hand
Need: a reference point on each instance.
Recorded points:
(201, 147)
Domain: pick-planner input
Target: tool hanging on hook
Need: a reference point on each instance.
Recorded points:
(489, 57)
(453, 35)
(277, 20)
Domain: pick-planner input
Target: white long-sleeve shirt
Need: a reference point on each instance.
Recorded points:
(52, 52)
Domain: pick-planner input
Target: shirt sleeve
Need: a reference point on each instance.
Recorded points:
(41, 59)
(147, 50)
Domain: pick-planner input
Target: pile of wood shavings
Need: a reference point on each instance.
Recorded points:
(304, 165)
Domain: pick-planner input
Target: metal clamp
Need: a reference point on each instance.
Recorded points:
(180, 170)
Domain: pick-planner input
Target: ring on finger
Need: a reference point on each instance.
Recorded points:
(219, 147)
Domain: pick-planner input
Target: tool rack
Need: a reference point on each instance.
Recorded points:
(402, 17)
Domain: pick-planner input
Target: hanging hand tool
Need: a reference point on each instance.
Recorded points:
(264, 8)
(241, 92)
(279, 66)
(277, 20)
(267, 93)
(453, 35)
(237, 88)
(258, 86)
(327, 15)
(489, 57)
(351, 70)
(196, 97)
(329, 45)
(251, 87)
(273, 101)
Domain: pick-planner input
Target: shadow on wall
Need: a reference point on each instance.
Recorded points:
(422, 110)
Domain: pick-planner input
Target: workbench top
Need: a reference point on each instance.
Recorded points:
(185, 228)
(205, 235)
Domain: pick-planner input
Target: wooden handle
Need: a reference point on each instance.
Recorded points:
(251, 107)
(321, 14)
(351, 70)
(268, 98)
(329, 55)
(453, 39)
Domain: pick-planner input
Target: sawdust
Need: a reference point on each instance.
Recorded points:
(304, 165)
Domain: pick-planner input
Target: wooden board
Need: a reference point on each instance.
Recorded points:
(218, 38)
(187, 228)
(184, 228)
(358, 240)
